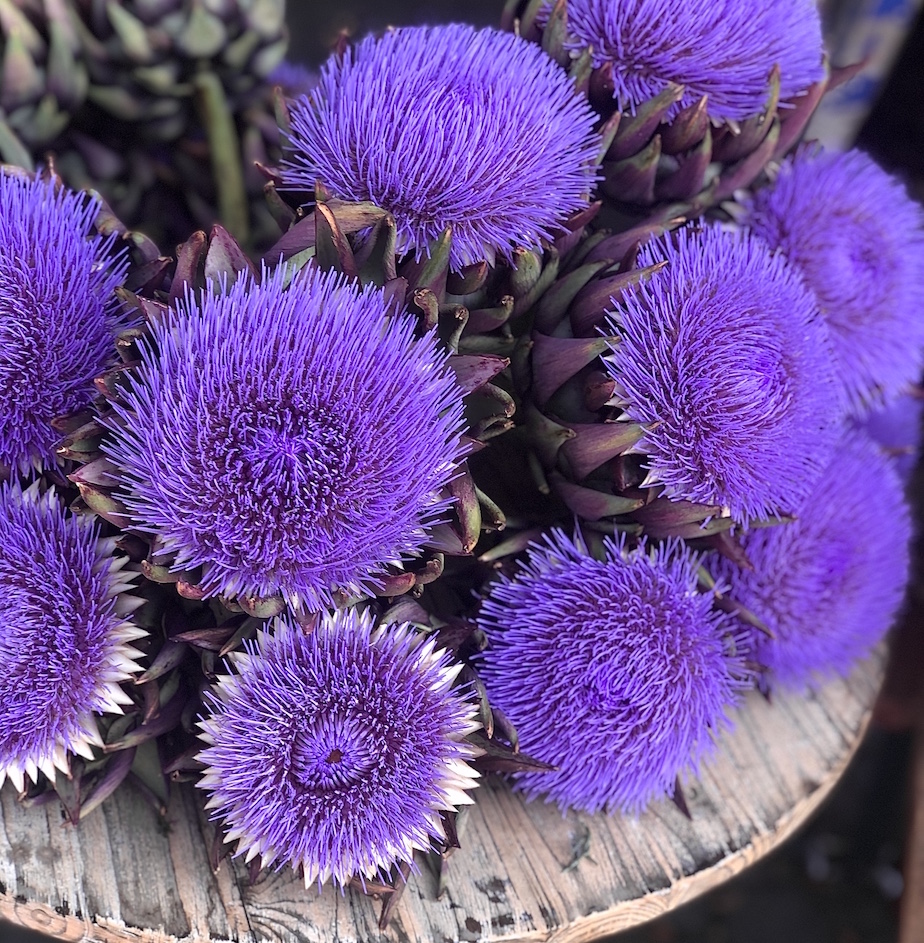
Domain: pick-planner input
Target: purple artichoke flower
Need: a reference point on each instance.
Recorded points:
(293, 77)
(288, 440)
(723, 49)
(724, 356)
(617, 670)
(58, 317)
(896, 429)
(830, 584)
(449, 126)
(64, 633)
(858, 240)
(336, 751)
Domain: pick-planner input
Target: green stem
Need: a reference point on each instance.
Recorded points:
(225, 152)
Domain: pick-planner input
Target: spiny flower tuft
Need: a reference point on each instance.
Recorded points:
(449, 126)
(336, 751)
(829, 584)
(64, 636)
(724, 356)
(617, 671)
(58, 315)
(858, 240)
(288, 440)
(723, 49)
(896, 429)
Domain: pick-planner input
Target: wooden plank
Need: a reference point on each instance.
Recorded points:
(518, 879)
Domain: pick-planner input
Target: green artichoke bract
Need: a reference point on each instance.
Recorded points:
(43, 79)
(149, 59)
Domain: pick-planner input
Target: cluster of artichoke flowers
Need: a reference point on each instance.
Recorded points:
(570, 400)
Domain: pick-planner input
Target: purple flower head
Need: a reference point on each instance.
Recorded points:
(896, 429)
(449, 126)
(288, 439)
(723, 355)
(617, 671)
(64, 636)
(293, 77)
(723, 49)
(58, 318)
(858, 240)
(336, 751)
(829, 584)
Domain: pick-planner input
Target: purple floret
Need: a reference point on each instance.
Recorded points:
(58, 317)
(449, 126)
(896, 429)
(830, 584)
(63, 634)
(617, 671)
(724, 356)
(858, 240)
(723, 49)
(336, 751)
(288, 439)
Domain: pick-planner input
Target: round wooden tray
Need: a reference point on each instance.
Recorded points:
(525, 872)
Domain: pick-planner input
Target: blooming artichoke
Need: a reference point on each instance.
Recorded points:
(305, 772)
(63, 663)
(710, 374)
(696, 98)
(643, 668)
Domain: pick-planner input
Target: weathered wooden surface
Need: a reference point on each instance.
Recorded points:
(121, 877)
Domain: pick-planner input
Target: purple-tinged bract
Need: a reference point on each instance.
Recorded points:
(58, 318)
(725, 358)
(336, 751)
(858, 240)
(617, 671)
(64, 636)
(829, 584)
(449, 126)
(723, 49)
(288, 440)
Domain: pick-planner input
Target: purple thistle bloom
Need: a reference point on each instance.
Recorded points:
(828, 585)
(336, 751)
(288, 439)
(723, 49)
(617, 671)
(64, 633)
(449, 126)
(896, 429)
(293, 77)
(858, 240)
(58, 317)
(724, 357)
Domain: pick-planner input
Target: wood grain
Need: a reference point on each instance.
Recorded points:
(121, 876)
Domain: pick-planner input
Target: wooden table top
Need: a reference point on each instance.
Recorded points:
(121, 876)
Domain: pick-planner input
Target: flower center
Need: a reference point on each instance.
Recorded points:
(334, 752)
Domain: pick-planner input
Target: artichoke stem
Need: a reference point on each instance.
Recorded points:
(225, 153)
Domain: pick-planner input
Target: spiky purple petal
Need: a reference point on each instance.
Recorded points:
(617, 671)
(724, 356)
(336, 751)
(58, 321)
(449, 126)
(288, 439)
(858, 240)
(723, 49)
(828, 585)
(63, 635)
